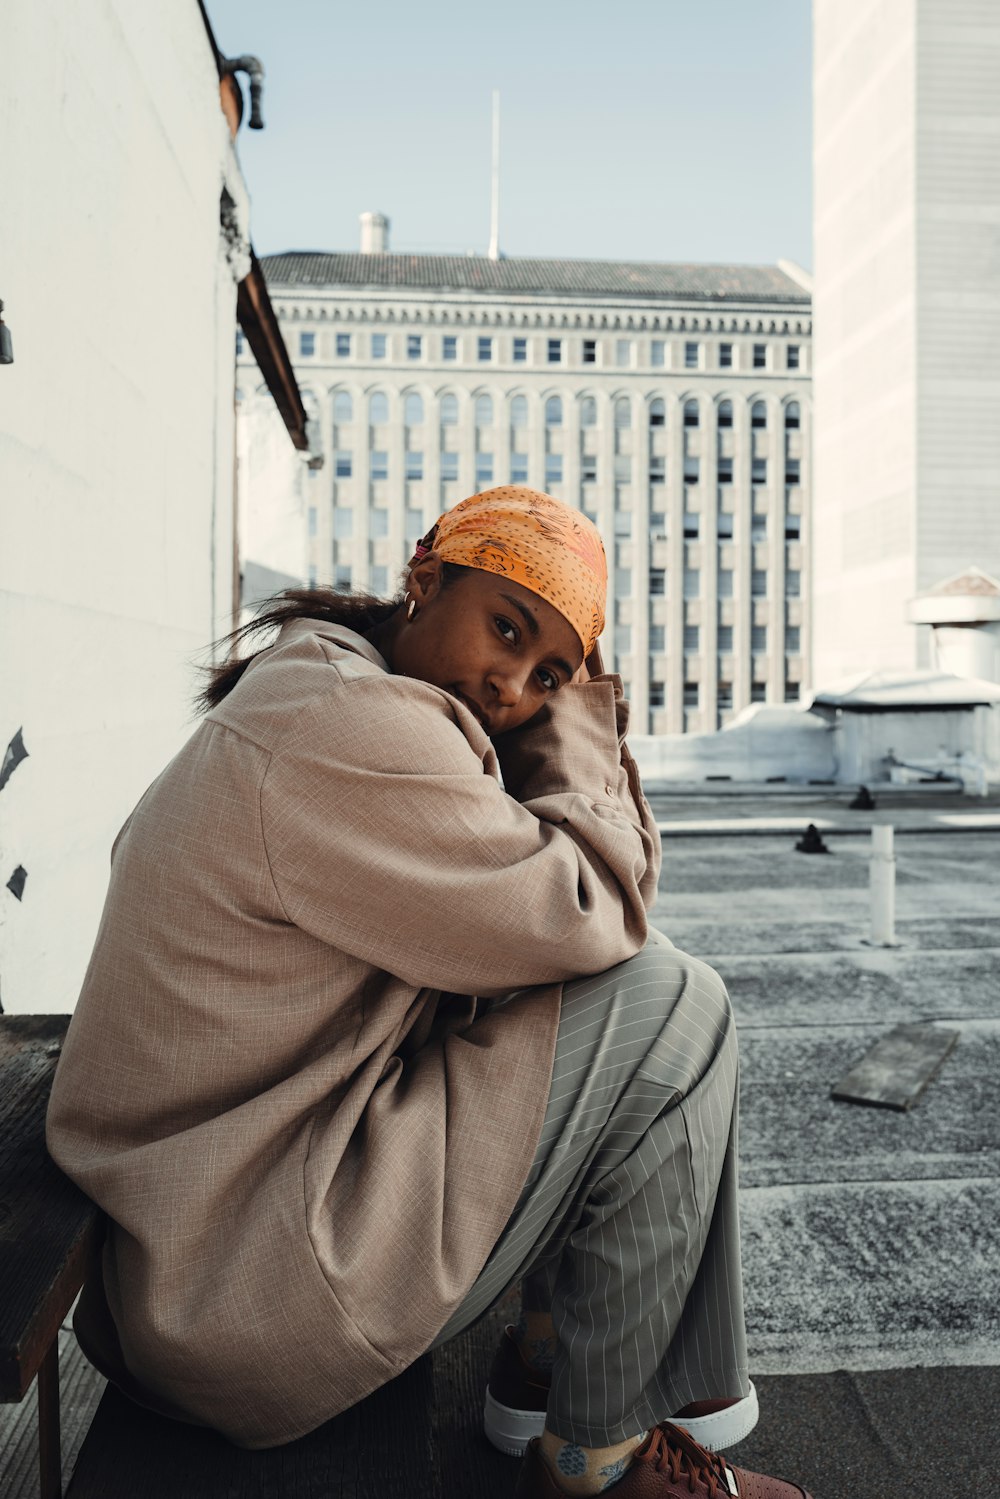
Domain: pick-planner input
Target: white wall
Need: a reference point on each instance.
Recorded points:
(967, 650)
(864, 348)
(800, 746)
(958, 288)
(116, 441)
(938, 740)
(762, 742)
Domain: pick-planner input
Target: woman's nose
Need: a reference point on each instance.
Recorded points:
(507, 686)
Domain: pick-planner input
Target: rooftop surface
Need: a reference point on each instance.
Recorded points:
(871, 1238)
(574, 278)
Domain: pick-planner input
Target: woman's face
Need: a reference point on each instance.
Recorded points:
(487, 640)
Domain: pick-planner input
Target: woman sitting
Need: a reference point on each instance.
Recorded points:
(367, 1037)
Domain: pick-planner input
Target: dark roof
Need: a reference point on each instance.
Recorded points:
(615, 278)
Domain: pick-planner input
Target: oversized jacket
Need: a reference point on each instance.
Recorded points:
(275, 1083)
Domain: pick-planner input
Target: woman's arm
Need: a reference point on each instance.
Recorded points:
(386, 839)
(516, 754)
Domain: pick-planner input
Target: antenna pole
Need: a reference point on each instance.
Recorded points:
(494, 250)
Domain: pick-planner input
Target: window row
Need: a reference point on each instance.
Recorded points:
(724, 695)
(448, 459)
(448, 462)
(483, 411)
(618, 353)
(692, 640)
(760, 585)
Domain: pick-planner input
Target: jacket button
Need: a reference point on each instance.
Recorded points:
(610, 789)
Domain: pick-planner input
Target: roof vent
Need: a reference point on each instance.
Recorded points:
(374, 234)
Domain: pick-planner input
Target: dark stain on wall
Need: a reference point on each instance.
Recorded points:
(13, 755)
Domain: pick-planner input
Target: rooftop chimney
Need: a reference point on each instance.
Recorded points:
(374, 234)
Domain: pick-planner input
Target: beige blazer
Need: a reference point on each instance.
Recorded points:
(274, 1083)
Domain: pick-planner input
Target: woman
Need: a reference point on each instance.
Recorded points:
(319, 1153)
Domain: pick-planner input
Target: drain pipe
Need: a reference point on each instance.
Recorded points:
(254, 69)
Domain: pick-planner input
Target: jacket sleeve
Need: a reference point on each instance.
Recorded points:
(389, 837)
(528, 757)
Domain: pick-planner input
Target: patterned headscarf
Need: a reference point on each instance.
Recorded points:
(538, 541)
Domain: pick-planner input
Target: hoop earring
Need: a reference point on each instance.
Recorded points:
(411, 609)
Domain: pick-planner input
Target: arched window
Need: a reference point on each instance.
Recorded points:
(519, 411)
(484, 411)
(692, 416)
(792, 414)
(725, 413)
(449, 410)
(553, 411)
(623, 412)
(343, 407)
(657, 413)
(758, 414)
(413, 411)
(378, 409)
(588, 412)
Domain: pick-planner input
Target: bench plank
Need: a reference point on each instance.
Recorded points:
(49, 1231)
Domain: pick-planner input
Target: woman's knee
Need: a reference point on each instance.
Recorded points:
(662, 1006)
(695, 1030)
(668, 977)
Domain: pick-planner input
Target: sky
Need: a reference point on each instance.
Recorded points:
(630, 129)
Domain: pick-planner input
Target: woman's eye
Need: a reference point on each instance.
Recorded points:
(507, 630)
(548, 679)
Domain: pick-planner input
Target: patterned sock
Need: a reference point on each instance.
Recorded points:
(587, 1470)
(535, 1336)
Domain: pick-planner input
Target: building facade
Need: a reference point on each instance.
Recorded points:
(907, 352)
(671, 403)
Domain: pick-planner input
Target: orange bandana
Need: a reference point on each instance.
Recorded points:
(538, 541)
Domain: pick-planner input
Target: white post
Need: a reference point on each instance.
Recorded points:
(882, 884)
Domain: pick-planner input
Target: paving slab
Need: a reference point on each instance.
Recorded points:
(863, 985)
(871, 1274)
(792, 1131)
(898, 1068)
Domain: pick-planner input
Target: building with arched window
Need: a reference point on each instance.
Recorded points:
(669, 402)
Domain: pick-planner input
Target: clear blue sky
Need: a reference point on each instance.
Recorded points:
(631, 129)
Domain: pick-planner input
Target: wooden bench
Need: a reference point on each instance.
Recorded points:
(49, 1231)
(419, 1436)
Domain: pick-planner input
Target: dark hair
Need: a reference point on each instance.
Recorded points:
(358, 611)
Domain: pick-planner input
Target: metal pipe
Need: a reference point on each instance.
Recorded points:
(254, 69)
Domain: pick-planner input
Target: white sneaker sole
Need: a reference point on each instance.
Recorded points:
(511, 1430)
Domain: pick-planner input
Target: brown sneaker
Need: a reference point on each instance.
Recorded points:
(670, 1464)
(517, 1396)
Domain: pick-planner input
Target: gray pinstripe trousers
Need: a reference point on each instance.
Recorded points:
(627, 1227)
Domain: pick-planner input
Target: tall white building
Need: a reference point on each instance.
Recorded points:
(670, 402)
(907, 304)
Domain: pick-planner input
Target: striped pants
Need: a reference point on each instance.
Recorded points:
(627, 1227)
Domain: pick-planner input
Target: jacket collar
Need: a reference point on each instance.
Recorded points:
(340, 635)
